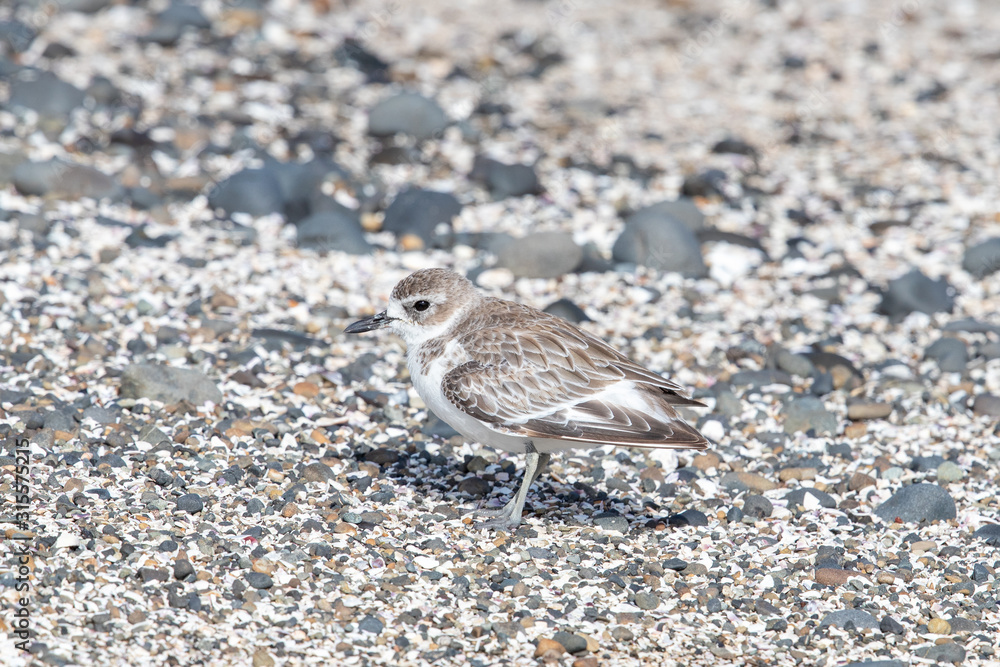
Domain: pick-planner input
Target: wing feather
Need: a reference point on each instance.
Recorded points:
(550, 379)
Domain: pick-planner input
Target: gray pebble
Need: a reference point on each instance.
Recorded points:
(916, 293)
(951, 354)
(168, 384)
(333, 230)
(762, 378)
(259, 580)
(421, 212)
(683, 210)
(407, 113)
(609, 521)
(688, 518)
(841, 618)
(567, 310)
(505, 180)
(183, 569)
(949, 652)
(796, 364)
(990, 532)
(918, 502)
(371, 624)
(59, 420)
(190, 503)
(541, 255)
(65, 180)
(983, 258)
(797, 497)
(949, 472)
(255, 192)
(758, 507)
(890, 626)
(45, 94)
(665, 245)
(986, 405)
(807, 413)
(474, 486)
(317, 472)
(646, 600)
(573, 643)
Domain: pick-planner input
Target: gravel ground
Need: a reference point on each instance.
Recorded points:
(792, 209)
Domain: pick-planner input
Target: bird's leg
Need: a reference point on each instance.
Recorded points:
(509, 516)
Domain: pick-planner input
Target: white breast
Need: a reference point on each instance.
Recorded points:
(427, 382)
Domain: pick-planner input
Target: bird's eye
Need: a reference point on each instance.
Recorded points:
(421, 305)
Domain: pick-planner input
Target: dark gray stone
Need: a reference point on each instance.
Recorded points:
(990, 532)
(688, 518)
(59, 420)
(541, 255)
(259, 580)
(573, 643)
(646, 600)
(951, 354)
(860, 619)
(505, 180)
(172, 22)
(664, 245)
(758, 379)
(796, 364)
(45, 94)
(64, 180)
(420, 212)
(986, 405)
(407, 113)
(983, 258)
(918, 502)
(16, 35)
(916, 293)
(168, 384)
(797, 497)
(807, 413)
(682, 210)
(474, 486)
(371, 624)
(609, 521)
(333, 230)
(948, 652)
(255, 192)
(190, 503)
(758, 507)
(567, 310)
(183, 568)
(890, 626)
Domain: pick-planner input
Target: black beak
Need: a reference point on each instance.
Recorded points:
(369, 324)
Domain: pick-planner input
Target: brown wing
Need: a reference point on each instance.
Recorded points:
(554, 380)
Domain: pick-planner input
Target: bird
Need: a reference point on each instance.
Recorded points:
(520, 380)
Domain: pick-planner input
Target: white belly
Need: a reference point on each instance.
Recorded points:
(428, 385)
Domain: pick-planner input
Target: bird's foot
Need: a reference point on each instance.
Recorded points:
(501, 518)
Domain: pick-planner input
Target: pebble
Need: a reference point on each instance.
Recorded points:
(689, 517)
(45, 94)
(328, 230)
(746, 481)
(868, 410)
(795, 364)
(982, 259)
(757, 507)
(256, 192)
(947, 652)
(831, 576)
(949, 472)
(190, 503)
(986, 405)
(421, 212)
(168, 384)
(474, 486)
(951, 354)
(571, 643)
(541, 255)
(371, 624)
(548, 647)
(611, 522)
(990, 532)
(65, 180)
(259, 580)
(918, 502)
(407, 113)
(505, 180)
(842, 618)
(916, 293)
(938, 626)
(809, 498)
(567, 310)
(646, 601)
(807, 413)
(665, 245)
